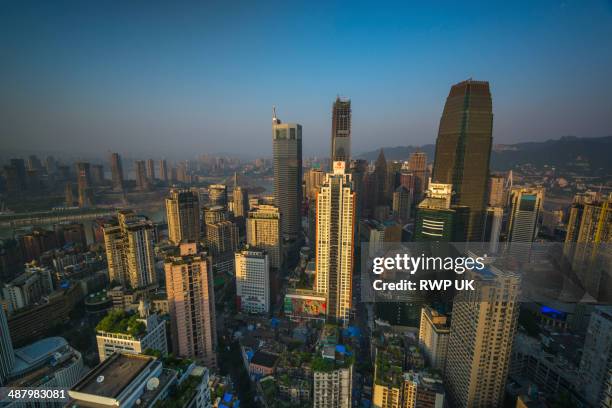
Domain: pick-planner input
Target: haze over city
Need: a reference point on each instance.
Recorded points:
(153, 78)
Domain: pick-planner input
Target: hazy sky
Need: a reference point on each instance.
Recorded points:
(163, 78)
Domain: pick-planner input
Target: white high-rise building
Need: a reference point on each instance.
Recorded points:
(333, 388)
(334, 243)
(482, 333)
(433, 337)
(253, 280)
(526, 207)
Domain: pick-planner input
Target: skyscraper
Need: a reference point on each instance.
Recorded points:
(380, 180)
(84, 185)
(596, 362)
(191, 304)
(116, 172)
(241, 199)
(222, 239)
(437, 219)
(496, 191)
(263, 230)
(402, 198)
(7, 355)
(463, 149)
(183, 215)
(341, 130)
(312, 181)
(252, 268)
(129, 250)
(97, 174)
(141, 175)
(526, 208)
(163, 170)
(483, 327)
(151, 170)
(433, 337)
(417, 165)
(334, 243)
(287, 152)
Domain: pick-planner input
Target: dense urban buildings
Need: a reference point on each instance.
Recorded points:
(334, 243)
(287, 157)
(191, 304)
(463, 149)
(252, 268)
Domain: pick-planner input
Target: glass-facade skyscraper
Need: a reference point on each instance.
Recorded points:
(341, 130)
(463, 149)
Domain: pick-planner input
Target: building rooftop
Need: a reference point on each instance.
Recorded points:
(37, 353)
(111, 377)
(264, 359)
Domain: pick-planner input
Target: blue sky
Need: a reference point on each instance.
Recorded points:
(185, 78)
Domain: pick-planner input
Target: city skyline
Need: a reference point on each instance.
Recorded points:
(112, 86)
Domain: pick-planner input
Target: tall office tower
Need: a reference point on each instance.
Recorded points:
(287, 151)
(341, 131)
(211, 215)
(263, 230)
(183, 215)
(151, 170)
(84, 185)
(380, 180)
(334, 243)
(417, 165)
(497, 185)
(596, 363)
(433, 337)
(7, 355)
(463, 149)
(402, 200)
(163, 170)
(312, 182)
(97, 174)
(69, 195)
(493, 227)
(483, 327)
(252, 268)
(333, 388)
(116, 172)
(129, 250)
(217, 195)
(526, 208)
(437, 219)
(141, 175)
(191, 304)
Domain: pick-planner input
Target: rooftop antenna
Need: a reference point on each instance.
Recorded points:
(275, 120)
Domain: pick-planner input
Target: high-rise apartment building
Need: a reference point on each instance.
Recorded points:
(183, 215)
(116, 172)
(380, 180)
(252, 267)
(287, 158)
(526, 208)
(129, 250)
(312, 182)
(482, 332)
(263, 231)
(341, 130)
(333, 388)
(222, 240)
(7, 355)
(422, 390)
(217, 195)
(463, 149)
(151, 170)
(402, 200)
(434, 332)
(334, 242)
(191, 304)
(142, 181)
(241, 201)
(497, 186)
(493, 227)
(417, 165)
(163, 170)
(84, 185)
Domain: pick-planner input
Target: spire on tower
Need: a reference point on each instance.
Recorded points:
(275, 120)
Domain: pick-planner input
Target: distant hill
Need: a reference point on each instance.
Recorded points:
(586, 155)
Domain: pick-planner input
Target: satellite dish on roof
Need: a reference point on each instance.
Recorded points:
(100, 379)
(153, 383)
